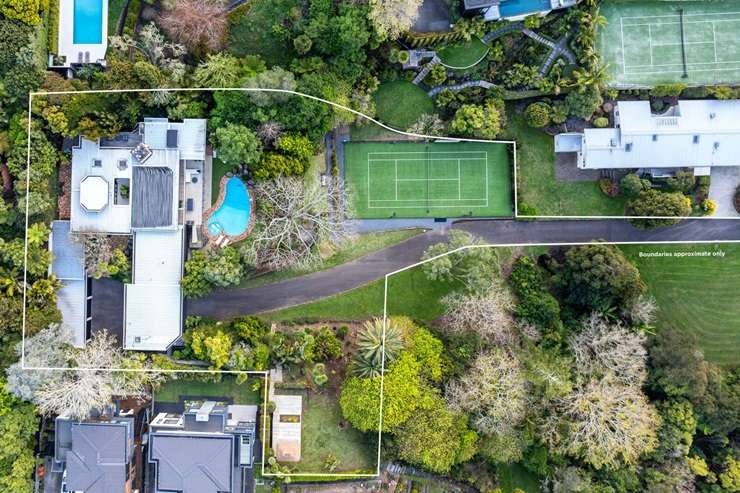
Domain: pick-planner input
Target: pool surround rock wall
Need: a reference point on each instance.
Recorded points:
(218, 203)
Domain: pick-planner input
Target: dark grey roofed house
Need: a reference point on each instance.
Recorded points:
(96, 455)
(193, 463)
(152, 196)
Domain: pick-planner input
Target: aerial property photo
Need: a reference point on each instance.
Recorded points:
(386, 246)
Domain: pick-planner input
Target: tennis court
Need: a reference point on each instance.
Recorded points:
(657, 42)
(449, 179)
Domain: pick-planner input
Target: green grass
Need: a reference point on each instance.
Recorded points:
(357, 247)
(410, 294)
(514, 476)
(321, 435)
(642, 42)
(463, 55)
(538, 186)
(219, 171)
(252, 30)
(172, 390)
(400, 103)
(403, 179)
(371, 131)
(696, 294)
(115, 10)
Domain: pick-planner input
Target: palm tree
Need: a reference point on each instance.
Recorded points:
(370, 347)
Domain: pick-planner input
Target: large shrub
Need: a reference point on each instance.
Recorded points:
(653, 203)
(536, 305)
(538, 114)
(631, 185)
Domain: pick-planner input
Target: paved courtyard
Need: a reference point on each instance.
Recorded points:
(725, 179)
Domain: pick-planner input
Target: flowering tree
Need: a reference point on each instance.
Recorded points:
(392, 18)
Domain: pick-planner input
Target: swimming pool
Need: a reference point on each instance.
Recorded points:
(88, 22)
(233, 215)
(513, 8)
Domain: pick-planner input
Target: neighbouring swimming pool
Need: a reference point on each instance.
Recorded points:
(88, 22)
(512, 8)
(233, 214)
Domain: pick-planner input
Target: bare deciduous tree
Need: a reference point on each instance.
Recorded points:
(96, 247)
(603, 422)
(46, 349)
(602, 348)
(487, 314)
(295, 219)
(493, 391)
(90, 384)
(642, 311)
(269, 132)
(198, 24)
(393, 17)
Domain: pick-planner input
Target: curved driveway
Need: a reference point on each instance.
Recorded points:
(229, 303)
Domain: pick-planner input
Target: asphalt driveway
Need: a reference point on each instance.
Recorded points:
(230, 303)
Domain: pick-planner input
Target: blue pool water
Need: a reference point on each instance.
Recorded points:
(232, 217)
(88, 22)
(511, 8)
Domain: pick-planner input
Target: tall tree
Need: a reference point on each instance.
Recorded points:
(201, 25)
(392, 18)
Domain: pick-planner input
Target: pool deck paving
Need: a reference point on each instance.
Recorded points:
(225, 304)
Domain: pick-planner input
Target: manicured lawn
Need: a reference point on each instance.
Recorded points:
(252, 30)
(218, 172)
(371, 131)
(115, 9)
(696, 294)
(322, 435)
(536, 176)
(409, 179)
(409, 293)
(400, 103)
(360, 246)
(514, 476)
(173, 390)
(463, 55)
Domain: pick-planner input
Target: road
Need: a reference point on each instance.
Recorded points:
(230, 303)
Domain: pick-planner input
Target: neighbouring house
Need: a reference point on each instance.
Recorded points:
(145, 187)
(83, 34)
(98, 455)
(696, 134)
(513, 10)
(286, 427)
(207, 449)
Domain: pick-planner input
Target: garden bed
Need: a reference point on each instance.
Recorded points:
(228, 388)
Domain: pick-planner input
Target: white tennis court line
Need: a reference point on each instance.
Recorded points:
(695, 14)
(678, 66)
(397, 179)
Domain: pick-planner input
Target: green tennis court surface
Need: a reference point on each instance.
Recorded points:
(428, 179)
(646, 43)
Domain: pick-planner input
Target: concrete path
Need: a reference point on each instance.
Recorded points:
(724, 182)
(230, 303)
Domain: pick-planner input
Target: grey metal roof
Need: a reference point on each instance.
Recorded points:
(480, 4)
(151, 197)
(98, 457)
(193, 464)
(69, 257)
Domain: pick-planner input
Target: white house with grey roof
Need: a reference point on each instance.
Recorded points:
(95, 456)
(697, 134)
(207, 449)
(137, 184)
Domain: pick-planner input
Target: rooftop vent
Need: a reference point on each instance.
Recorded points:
(628, 147)
(696, 139)
(122, 164)
(97, 163)
(655, 137)
(712, 115)
(613, 142)
(716, 146)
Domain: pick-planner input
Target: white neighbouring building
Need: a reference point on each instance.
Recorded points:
(134, 184)
(697, 134)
